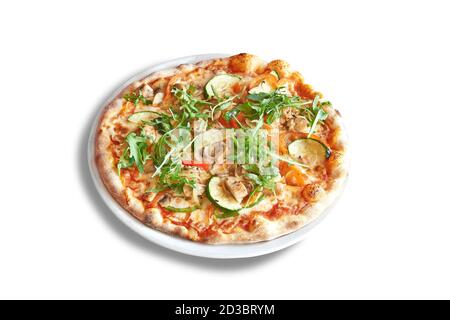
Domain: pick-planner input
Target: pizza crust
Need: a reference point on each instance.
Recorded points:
(266, 229)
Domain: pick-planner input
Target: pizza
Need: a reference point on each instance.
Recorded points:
(225, 151)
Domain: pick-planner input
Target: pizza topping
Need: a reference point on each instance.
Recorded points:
(318, 115)
(292, 120)
(312, 192)
(158, 98)
(295, 177)
(269, 106)
(263, 87)
(190, 106)
(253, 200)
(221, 86)
(310, 151)
(195, 193)
(162, 123)
(219, 195)
(142, 116)
(147, 91)
(203, 166)
(177, 204)
(262, 177)
(236, 188)
(136, 98)
(220, 106)
(136, 153)
(275, 74)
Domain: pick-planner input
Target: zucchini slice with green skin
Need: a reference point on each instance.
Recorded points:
(312, 151)
(174, 209)
(221, 85)
(225, 215)
(258, 198)
(220, 197)
(140, 116)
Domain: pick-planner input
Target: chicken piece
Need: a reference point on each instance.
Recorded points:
(236, 187)
(289, 114)
(187, 191)
(147, 91)
(198, 192)
(298, 124)
(293, 120)
(158, 98)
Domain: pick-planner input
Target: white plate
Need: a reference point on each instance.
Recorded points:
(172, 242)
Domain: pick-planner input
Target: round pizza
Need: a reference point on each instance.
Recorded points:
(229, 150)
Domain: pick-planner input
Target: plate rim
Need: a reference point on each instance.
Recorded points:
(174, 243)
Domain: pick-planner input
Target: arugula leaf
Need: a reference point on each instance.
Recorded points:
(125, 160)
(222, 105)
(319, 115)
(189, 106)
(168, 164)
(262, 177)
(163, 123)
(135, 153)
(171, 177)
(135, 98)
(231, 114)
(137, 146)
(265, 105)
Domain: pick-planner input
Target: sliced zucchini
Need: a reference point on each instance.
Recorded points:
(138, 117)
(255, 199)
(178, 204)
(225, 215)
(220, 197)
(221, 85)
(187, 209)
(312, 151)
(263, 87)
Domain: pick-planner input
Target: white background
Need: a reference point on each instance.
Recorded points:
(385, 65)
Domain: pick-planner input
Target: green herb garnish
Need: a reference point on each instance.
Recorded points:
(319, 115)
(163, 123)
(262, 177)
(189, 106)
(265, 105)
(136, 153)
(135, 98)
(166, 157)
(268, 107)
